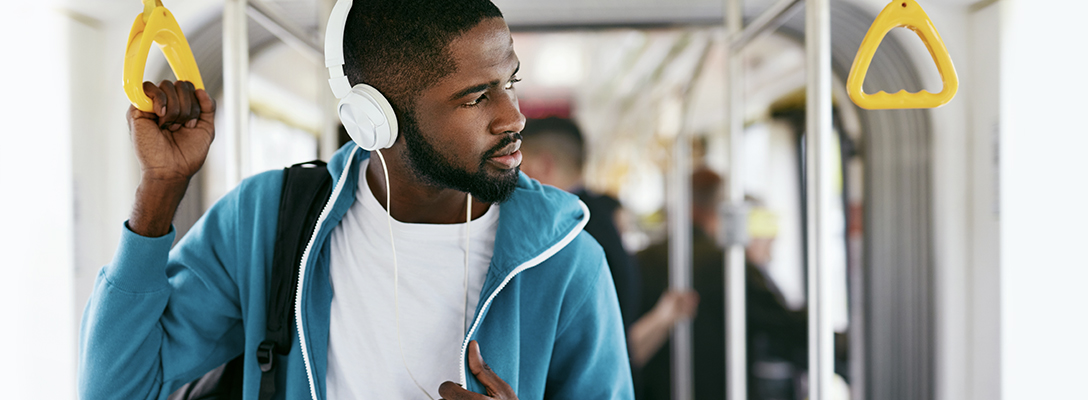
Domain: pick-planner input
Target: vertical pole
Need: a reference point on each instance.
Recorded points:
(329, 139)
(236, 90)
(736, 379)
(818, 145)
(680, 261)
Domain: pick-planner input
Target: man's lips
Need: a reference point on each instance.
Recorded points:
(509, 156)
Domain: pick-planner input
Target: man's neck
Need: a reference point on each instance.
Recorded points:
(415, 201)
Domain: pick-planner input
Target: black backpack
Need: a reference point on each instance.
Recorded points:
(306, 186)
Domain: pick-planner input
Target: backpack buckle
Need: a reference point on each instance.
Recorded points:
(264, 355)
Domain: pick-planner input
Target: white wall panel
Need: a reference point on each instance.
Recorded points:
(1043, 190)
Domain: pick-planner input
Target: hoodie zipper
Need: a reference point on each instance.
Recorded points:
(476, 323)
(524, 266)
(302, 271)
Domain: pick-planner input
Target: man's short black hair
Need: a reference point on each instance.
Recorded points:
(559, 135)
(401, 47)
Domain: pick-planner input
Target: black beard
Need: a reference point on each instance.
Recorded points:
(434, 169)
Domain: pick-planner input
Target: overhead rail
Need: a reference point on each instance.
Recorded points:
(771, 19)
(308, 45)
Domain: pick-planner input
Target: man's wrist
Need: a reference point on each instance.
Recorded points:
(156, 202)
(662, 316)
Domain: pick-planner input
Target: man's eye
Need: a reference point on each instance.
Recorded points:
(477, 101)
(510, 84)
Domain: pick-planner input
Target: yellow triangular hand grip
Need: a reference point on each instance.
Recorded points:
(902, 13)
(156, 24)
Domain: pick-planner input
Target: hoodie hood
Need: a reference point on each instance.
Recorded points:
(535, 218)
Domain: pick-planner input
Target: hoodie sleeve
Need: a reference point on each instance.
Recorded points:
(590, 356)
(158, 318)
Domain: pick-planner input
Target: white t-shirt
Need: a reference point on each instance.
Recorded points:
(364, 358)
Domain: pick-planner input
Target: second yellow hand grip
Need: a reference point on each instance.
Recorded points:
(902, 13)
(158, 26)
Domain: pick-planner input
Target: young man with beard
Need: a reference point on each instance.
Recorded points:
(386, 307)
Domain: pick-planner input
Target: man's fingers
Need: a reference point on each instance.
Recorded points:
(194, 101)
(185, 102)
(207, 105)
(495, 386)
(170, 119)
(193, 112)
(134, 114)
(158, 99)
(452, 391)
(475, 361)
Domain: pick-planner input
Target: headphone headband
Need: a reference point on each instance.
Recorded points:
(334, 48)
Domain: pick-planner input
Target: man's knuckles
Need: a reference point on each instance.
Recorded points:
(450, 390)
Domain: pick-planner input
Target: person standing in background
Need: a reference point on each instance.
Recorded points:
(774, 332)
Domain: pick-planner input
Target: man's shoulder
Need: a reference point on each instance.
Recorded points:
(539, 217)
(531, 190)
(580, 262)
(264, 183)
(261, 187)
(251, 200)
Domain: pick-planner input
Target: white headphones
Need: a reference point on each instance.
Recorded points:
(367, 115)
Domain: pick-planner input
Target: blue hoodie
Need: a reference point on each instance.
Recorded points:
(548, 322)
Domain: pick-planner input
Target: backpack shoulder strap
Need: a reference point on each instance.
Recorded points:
(306, 188)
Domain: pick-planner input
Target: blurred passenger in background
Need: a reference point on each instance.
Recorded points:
(776, 335)
(554, 153)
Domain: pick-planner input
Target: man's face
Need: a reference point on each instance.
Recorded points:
(464, 131)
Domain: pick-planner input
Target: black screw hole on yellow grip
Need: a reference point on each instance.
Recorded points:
(904, 5)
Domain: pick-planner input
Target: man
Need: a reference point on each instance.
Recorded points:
(538, 301)
(771, 327)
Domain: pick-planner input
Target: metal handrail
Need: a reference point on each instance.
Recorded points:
(235, 90)
(283, 29)
(819, 191)
(819, 194)
(771, 19)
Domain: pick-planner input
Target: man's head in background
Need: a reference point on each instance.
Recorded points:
(706, 195)
(448, 68)
(554, 152)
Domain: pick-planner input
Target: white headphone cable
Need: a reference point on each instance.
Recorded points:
(468, 237)
(396, 276)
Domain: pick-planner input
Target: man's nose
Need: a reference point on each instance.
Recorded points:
(508, 117)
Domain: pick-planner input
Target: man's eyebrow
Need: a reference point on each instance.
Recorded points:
(481, 87)
(477, 88)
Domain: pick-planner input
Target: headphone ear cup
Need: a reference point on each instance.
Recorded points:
(368, 117)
